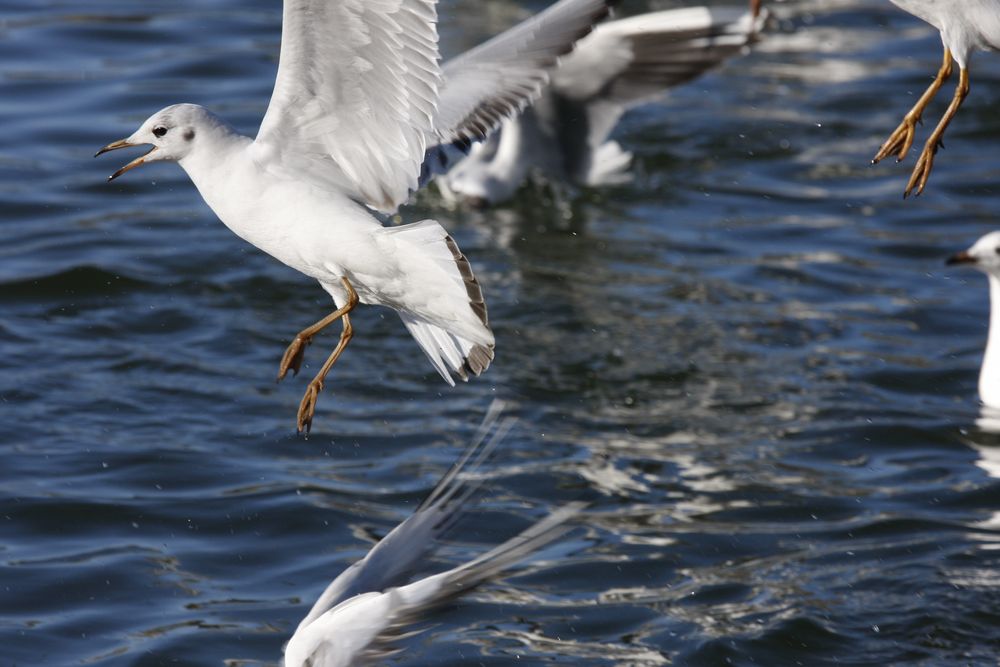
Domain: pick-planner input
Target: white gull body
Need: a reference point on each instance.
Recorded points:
(359, 97)
(965, 25)
(327, 234)
(564, 135)
(984, 255)
(369, 604)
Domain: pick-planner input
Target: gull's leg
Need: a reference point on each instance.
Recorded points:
(901, 139)
(922, 170)
(755, 8)
(292, 359)
(307, 407)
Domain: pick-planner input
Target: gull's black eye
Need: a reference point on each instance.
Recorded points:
(997, 250)
(159, 131)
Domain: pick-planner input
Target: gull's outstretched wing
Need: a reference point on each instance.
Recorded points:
(501, 76)
(623, 63)
(364, 627)
(355, 96)
(405, 549)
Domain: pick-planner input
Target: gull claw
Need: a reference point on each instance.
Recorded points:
(307, 408)
(921, 172)
(292, 359)
(900, 141)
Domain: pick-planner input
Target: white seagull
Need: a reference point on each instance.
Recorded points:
(369, 604)
(985, 256)
(359, 97)
(564, 134)
(965, 26)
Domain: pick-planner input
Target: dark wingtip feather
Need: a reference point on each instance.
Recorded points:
(479, 357)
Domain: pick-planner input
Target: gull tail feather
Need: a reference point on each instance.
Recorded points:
(447, 352)
(454, 330)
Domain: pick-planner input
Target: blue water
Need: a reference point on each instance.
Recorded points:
(751, 360)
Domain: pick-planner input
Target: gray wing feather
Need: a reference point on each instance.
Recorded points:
(625, 62)
(355, 95)
(628, 62)
(401, 552)
(500, 77)
(414, 600)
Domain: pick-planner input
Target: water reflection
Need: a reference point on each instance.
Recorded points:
(986, 443)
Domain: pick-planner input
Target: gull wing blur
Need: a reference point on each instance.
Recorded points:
(630, 60)
(501, 76)
(627, 62)
(564, 133)
(410, 602)
(405, 548)
(364, 628)
(354, 99)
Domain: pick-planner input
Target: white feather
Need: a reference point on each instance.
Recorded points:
(355, 95)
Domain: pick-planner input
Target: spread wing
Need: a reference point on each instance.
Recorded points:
(626, 62)
(501, 76)
(406, 548)
(364, 628)
(355, 96)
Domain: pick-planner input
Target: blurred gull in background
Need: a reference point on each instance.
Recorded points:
(359, 96)
(370, 604)
(564, 134)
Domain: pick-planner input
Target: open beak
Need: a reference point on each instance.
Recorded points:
(124, 143)
(961, 258)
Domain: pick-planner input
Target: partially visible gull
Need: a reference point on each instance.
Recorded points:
(985, 256)
(369, 605)
(564, 135)
(358, 98)
(965, 26)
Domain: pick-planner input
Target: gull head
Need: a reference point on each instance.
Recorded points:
(173, 133)
(983, 255)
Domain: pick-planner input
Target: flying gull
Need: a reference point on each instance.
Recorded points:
(564, 135)
(372, 603)
(359, 96)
